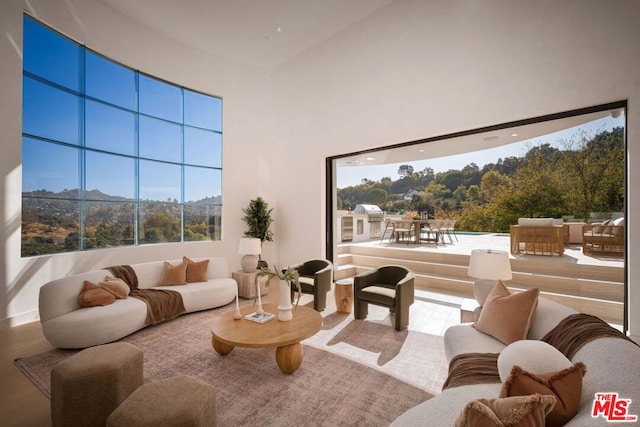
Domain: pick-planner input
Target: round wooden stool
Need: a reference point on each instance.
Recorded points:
(344, 295)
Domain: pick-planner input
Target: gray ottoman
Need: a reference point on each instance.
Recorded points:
(88, 386)
(180, 401)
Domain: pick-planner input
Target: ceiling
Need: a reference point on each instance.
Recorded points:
(268, 33)
(262, 33)
(469, 142)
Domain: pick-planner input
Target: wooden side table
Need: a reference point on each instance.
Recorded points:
(469, 310)
(343, 294)
(246, 284)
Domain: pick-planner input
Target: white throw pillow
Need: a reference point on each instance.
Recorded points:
(533, 356)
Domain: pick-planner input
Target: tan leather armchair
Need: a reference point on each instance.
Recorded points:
(389, 286)
(316, 277)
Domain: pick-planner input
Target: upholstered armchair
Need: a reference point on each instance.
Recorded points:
(390, 286)
(316, 276)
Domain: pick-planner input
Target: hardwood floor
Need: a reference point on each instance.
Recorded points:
(22, 404)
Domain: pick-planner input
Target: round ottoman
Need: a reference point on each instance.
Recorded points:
(177, 401)
(88, 386)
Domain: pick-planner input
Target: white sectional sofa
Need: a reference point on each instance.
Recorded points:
(612, 365)
(66, 324)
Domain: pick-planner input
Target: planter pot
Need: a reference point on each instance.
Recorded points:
(285, 308)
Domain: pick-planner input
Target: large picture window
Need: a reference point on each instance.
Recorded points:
(110, 156)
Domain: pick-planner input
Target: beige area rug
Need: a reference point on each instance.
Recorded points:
(356, 373)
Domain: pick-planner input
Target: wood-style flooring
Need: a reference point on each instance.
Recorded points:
(23, 405)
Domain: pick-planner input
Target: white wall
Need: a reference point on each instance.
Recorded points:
(419, 69)
(247, 128)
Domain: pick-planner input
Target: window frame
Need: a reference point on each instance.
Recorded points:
(99, 149)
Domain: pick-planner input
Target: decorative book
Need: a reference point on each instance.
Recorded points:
(259, 317)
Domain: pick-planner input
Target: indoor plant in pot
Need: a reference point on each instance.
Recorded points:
(257, 216)
(287, 278)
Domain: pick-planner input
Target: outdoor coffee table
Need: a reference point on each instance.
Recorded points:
(227, 333)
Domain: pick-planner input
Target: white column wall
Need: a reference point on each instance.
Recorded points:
(246, 131)
(418, 69)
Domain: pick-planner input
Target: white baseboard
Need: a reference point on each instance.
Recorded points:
(20, 319)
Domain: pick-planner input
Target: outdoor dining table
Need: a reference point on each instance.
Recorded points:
(433, 234)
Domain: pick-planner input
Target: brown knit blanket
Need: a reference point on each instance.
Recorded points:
(576, 330)
(472, 368)
(162, 304)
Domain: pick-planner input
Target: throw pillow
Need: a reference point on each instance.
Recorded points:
(196, 271)
(173, 275)
(514, 411)
(93, 295)
(507, 317)
(565, 385)
(117, 287)
(537, 357)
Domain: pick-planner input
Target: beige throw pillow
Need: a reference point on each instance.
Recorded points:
(117, 287)
(173, 275)
(507, 317)
(565, 385)
(196, 271)
(93, 295)
(520, 411)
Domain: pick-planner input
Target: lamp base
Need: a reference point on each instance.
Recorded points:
(249, 263)
(482, 288)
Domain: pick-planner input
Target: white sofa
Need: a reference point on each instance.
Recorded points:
(613, 365)
(66, 324)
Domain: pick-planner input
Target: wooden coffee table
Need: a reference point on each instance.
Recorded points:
(227, 333)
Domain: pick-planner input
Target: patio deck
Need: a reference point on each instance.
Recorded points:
(495, 241)
(586, 283)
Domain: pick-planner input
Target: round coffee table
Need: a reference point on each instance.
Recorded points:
(227, 333)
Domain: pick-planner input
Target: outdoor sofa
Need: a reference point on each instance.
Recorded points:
(538, 236)
(604, 239)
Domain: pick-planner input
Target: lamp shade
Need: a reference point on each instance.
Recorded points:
(490, 265)
(249, 246)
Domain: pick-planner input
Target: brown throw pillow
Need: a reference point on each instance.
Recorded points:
(117, 287)
(173, 275)
(196, 271)
(565, 385)
(520, 411)
(93, 295)
(507, 317)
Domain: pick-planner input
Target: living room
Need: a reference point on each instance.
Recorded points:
(393, 72)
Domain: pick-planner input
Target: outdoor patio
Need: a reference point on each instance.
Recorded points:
(496, 241)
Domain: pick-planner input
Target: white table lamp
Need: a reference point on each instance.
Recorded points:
(488, 266)
(249, 247)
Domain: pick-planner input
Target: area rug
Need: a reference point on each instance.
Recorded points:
(335, 385)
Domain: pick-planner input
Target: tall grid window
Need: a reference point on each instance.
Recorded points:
(111, 156)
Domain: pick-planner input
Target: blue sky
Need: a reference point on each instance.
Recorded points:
(75, 98)
(353, 175)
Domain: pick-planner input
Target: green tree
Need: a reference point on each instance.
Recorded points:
(405, 171)
(377, 196)
(594, 176)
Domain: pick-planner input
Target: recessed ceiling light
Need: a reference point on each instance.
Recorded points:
(421, 150)
(514, 134)
(279, 29)
(371, 158)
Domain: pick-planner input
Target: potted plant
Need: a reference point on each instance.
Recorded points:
(287, 278)
(257, 216)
